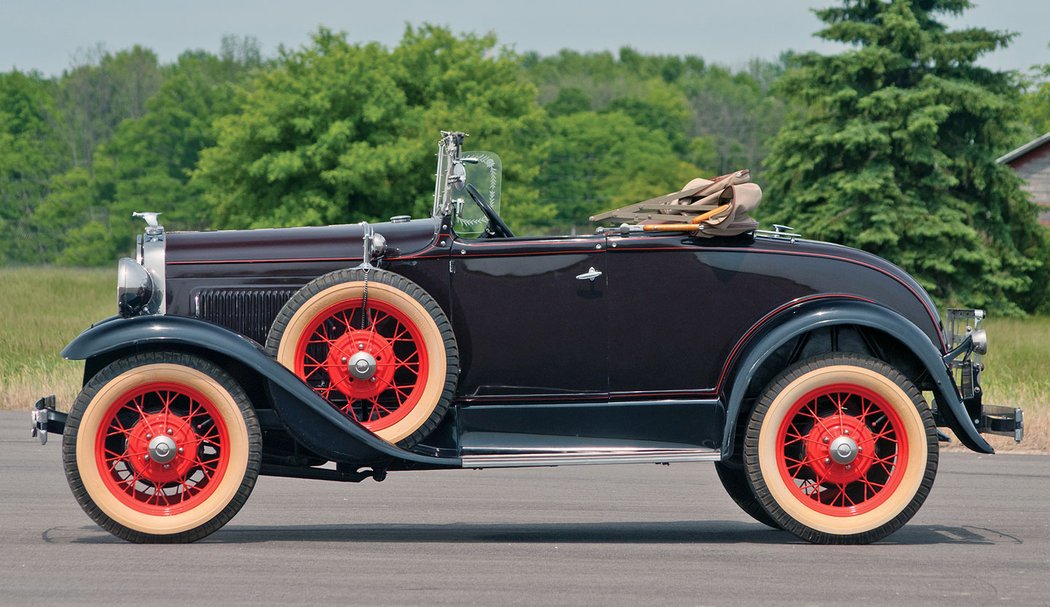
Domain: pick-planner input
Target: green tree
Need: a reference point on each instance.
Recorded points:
(100, 91)
(1035, 105)
(594, 162)
(645, 87)
(712, 116)
(736, 113)
(29, 155)
(659, 107)
(570, 100)
(338, 132)
(893, 150)
(147, 162)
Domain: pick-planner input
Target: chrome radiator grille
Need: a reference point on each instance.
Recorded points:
(249, 312)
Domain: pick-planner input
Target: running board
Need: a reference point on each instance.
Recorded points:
(591, 457)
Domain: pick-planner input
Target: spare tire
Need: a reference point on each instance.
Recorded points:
(386, 356)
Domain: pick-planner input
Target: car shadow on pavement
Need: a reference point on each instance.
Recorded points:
(683, 532)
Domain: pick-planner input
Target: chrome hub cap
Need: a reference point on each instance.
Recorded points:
(362, 365)
(843, 450)
(162, 449)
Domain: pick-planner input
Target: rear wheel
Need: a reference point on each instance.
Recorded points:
(841, 449)
(162, 447)
(385, 357)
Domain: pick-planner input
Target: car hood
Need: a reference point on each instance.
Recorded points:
(292, 244)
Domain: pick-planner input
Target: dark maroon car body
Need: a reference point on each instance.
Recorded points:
(645, 355)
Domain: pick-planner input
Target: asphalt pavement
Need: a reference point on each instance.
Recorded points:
(586, 535)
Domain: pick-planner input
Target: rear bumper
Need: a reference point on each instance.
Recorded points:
(46, 419)
(1004, 421)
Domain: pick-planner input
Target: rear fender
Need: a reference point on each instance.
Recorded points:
(307, 417)
(803, 318)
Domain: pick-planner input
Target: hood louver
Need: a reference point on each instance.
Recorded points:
(249, 312)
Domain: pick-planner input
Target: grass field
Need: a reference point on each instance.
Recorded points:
(1017, 375)
(42, 309)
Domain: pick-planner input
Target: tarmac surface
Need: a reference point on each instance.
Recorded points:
(587, 535)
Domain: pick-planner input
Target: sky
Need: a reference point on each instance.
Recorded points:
(48, 35)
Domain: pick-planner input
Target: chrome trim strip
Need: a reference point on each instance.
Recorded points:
(591, 457)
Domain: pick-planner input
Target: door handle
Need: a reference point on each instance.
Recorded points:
(590, 274)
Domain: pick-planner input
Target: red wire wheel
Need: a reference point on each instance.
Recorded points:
(390, 352)
(162, 447)
(389, 362)
(841, 449)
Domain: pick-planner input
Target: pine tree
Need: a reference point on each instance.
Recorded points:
(892, 149)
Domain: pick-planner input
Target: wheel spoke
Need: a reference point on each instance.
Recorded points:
(128, 431)
(397, 354)
(374, 325)
(853, 415)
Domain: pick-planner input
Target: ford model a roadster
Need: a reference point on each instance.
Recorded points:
(347, 352)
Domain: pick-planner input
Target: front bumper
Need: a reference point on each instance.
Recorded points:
(1004, 421)
(46, 419)
(967, 343)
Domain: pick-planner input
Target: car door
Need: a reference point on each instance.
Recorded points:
(683, 311)
(530, 318)
(688, 303)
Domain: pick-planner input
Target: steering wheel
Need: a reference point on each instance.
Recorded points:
(496, 226)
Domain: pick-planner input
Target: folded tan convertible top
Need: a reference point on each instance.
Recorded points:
(705, 207)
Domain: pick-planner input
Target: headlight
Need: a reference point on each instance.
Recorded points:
(134, 288)
(980, 341)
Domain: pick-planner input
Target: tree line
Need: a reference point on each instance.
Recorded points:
(889, 146)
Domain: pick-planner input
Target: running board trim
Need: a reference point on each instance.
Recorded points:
(580, 458)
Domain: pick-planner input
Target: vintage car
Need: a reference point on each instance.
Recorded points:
(346, 352)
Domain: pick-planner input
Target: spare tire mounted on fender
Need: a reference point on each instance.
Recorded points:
(393, 369)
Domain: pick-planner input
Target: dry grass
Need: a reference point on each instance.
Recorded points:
(42, 309)
(1018, 353)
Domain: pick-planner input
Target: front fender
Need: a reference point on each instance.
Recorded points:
(307, 417)
(803, 318)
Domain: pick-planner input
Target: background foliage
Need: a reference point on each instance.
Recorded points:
(892, 149)
(889, 146)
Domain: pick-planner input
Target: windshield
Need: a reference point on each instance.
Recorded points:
(484, 170)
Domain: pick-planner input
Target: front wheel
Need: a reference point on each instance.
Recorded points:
(841, 449)
(161, 447)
